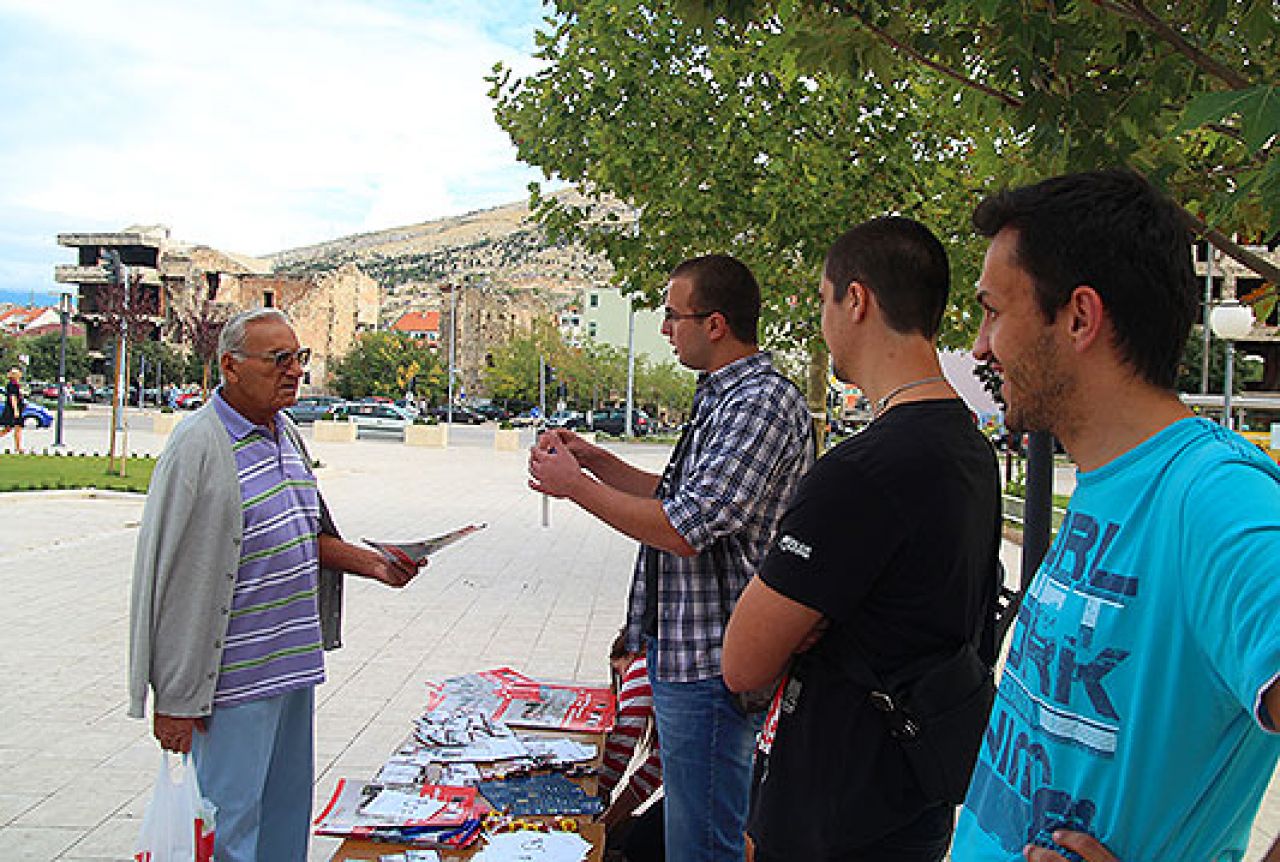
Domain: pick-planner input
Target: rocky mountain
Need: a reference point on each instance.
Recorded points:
(501, 249)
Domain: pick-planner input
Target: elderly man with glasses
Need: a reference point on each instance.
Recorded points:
(226, 615)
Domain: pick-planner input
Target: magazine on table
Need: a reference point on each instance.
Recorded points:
(506, 695)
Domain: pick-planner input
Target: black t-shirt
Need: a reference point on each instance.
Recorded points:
(893, 537)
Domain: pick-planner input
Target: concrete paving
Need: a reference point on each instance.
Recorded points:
(75, 772)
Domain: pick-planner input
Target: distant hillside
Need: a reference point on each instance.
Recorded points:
(501, 247)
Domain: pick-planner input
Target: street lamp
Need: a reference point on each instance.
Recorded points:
(453, 350)
(1231, 322)
(64, 311)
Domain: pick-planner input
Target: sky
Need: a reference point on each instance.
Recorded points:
(248, 125)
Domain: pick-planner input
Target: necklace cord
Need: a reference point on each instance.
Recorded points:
(880, 405)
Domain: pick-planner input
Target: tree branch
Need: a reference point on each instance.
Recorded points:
(1233, 250)
(1134, 10)
(956, 75)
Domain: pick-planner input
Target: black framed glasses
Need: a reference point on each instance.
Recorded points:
(669, 314)
(282, 358)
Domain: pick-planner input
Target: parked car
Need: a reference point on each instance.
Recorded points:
(461, 415)
(312, 407)
(410, 407)
(36, 416)
(525, 419)
(82, 393)
(189, 400)
(496, 412)
(373, 417)
(613, 422)
(570, 419)
(50, 391)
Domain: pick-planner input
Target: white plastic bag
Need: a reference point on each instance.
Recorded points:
(178, 824)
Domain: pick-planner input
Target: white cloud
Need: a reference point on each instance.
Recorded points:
(254, 125)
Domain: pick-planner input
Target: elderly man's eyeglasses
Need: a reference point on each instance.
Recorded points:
(282, 358)
(669, 314)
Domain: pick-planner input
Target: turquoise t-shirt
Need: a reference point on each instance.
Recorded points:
(1130, 706)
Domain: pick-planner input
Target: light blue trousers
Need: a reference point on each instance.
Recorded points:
(255, 763)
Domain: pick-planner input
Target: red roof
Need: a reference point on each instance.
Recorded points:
(418, 321)
(17, 319)
(73, 330)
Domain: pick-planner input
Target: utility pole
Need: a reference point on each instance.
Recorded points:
(64, 310)
(631, 366)
(1208, 307)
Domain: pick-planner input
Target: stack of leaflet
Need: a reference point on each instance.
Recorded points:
(426, 816)
(511, 697)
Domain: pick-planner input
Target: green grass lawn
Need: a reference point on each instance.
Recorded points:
(47, 472)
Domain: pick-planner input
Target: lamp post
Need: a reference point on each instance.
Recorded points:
(1231, 322)
(453, 350)
(64, 311)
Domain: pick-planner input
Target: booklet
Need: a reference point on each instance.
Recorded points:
(416, 553)
(368, 810)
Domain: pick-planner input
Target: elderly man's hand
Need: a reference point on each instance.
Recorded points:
(1089, 848)
(394, 572)
(174, 733)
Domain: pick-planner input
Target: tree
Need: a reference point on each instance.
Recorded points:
(199, 325)
(716, 151)
(10, 352)
(1184, 92)
(513, 372)
(386, 363)
(664, 385)
(160, 358)
(128, 311)
(766, 127)
(44, 350)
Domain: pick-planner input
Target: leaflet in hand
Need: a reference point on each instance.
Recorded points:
(417, 553)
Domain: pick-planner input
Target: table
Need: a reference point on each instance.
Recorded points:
(353, 849)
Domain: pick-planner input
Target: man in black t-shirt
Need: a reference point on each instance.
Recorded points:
(888, 552)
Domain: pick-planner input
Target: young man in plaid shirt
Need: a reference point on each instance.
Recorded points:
(703, 525)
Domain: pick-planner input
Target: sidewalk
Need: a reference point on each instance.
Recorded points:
(75, 772)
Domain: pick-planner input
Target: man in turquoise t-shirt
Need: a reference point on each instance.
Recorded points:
(1136, 718)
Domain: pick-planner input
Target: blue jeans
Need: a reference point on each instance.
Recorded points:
(256, 763)
(707, 747)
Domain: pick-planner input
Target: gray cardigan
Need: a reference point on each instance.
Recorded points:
(184, 570)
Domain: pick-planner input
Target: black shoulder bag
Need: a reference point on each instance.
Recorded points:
(938, 712)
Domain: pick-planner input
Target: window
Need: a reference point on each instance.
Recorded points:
(268, 299)
(591, 329)
(594, 300)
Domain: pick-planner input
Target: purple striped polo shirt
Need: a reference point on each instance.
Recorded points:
(273, 642)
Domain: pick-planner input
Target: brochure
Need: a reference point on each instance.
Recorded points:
(418, 552)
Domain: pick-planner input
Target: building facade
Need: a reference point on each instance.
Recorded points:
(178, 283)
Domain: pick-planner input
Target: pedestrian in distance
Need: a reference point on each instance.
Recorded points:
(11, 415)
(703, 526)
(230, 609)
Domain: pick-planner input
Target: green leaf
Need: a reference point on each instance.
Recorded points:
(1210, 108)
(1261, 117)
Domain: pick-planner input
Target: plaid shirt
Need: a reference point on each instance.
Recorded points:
(751, 442)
